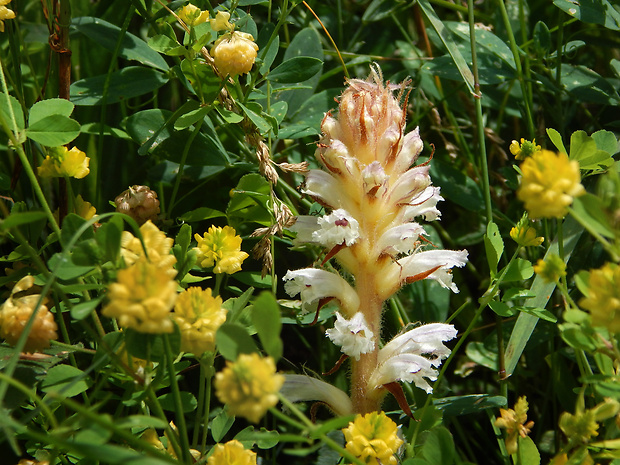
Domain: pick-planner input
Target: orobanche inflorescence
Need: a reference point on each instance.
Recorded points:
(374, 195)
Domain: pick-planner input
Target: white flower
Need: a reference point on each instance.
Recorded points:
(314, 285)
(413, 356)
(331, 230)
(424, 204)
(400, 239)
(374, 179)
(411, 148)
(324, 188)
(410, 185)
(353, 336)
(429, 264)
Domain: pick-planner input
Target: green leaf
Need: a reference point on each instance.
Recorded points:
(592, 11)
(228, 115)
(464, 405)
(18, 219)
(381, 9)
(540, 313)
(53, 130)
(200, 214)
(84, 309)
(494, 246)
(65, 380)
(606, 140)
(151, 346)
(205, 83)
(583, 149)
(11, 107)
(297, 69)
(264, 438)
(49, 107)
(233, 339)
(152, 128)
(221, 425)
(502, 309)
(63, 267)
(482, 355)
(266, 320)
(588, 86)
(267, 52)
(191, 117)
(254, 114)
(518, 270)
(106, 35)
(166, 45)
(556, 139)
(438, 446)
(108, 236)
(589, 209)
(448, 42)
(188, 402)
(126, 83)
(456, 186)
(140, 421)
(528, 453)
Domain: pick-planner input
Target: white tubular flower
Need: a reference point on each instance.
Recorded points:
(331, 230)
(375, 179)
(424, 205)
(302, 388)
(323, 187)
(400, 239)
(314, 285)
(410, 150)
(410, 185)
(353, 336)
(413, 356)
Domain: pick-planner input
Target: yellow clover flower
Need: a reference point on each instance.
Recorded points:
(603, 299)
(220, 248)
(15, 313)
(62, 162)
(514, 421)
(249, 386)
(221, 23)
(234, 53)
(550, 182)
(5, 13)
(524, 234)
(142, 298)
(198, 315)
(373, 438)
(231, 453)
(524, 149)
(192, 15)
(551, 269)
(157, 245)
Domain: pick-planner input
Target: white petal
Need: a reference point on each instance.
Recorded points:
(314, 284)
(323, 187)
(400, 239)
(424, 204)
(374, 179)
(424, 340)
(353, 336)
(410, 185)
(411, 148)
(337, 228)
(305, 226)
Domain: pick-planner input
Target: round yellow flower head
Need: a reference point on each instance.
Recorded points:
(142, 298)
(139, 202)
(15, 313)
(5, 13)
(198, 315)
(157, 245)
(62, 162)
(524, 149)
(220, 248)
(221, 23)
(524, 234)
(249, 386)
(551, 269)
(192, 15)
(603, 299)
(234, 53)
(231, 453)
(514, 421)
(550, 182)
(373, 438)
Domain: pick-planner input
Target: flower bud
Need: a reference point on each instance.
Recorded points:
(139, 202)
(234, 53)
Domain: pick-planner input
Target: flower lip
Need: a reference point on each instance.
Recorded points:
(353, 336)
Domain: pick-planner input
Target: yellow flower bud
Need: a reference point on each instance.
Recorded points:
(524, 234)
(524, 149)
(192, 15)
(221, 23)
(514, 422)
(5, 13)
(249, 386)
(62, 162)
(234, 53)
(373, 438)
(551, 269)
